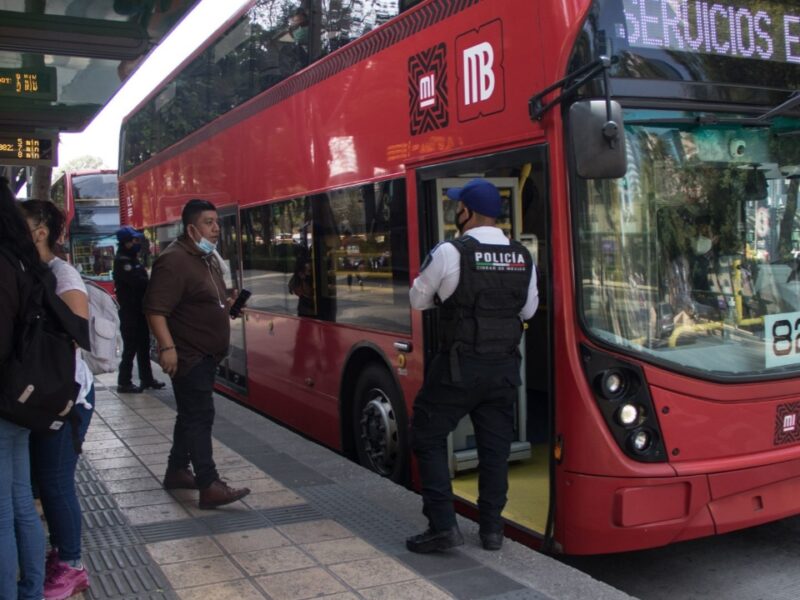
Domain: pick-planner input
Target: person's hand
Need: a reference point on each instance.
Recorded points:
(168, 360)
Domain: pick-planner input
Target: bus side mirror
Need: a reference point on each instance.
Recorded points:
(598, 139)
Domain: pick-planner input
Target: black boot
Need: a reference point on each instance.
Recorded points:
(491, 540)
(153, 384)
(431, 540)
(128, 388)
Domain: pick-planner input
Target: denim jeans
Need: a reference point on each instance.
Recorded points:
(21, 532)
(191, 439)
(53, 465)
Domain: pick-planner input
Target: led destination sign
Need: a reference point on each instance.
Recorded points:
(743, 29)
(26, 150)
(28, 83)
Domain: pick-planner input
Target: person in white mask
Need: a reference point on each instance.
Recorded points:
(702, 268)
(187, 308)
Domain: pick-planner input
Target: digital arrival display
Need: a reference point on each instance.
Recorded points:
(26, 150)
(28, 83)
(760, 30)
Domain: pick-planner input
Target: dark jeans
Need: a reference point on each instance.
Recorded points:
(135, 342)
(53, 462)
(438, 408)
(191, 439)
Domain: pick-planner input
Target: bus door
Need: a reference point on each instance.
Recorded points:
(232, 371)
(521, 178)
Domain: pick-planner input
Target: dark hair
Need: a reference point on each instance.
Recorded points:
(14, 232)
(44, 212)
(192, 210)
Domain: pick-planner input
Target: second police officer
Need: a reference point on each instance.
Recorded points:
(130, 282)
(485, 287)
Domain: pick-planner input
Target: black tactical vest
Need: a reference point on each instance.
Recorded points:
(482, 315)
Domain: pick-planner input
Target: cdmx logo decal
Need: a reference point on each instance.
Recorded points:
(427, 90)
(786, 425)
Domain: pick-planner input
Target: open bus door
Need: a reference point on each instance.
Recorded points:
(232, 371)
(521, 177)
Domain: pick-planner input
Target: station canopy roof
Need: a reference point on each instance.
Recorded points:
(62, 60)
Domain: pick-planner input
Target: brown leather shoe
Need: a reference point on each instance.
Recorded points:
(220, 493)
(179, 479)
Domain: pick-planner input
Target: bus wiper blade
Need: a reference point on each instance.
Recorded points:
(569, 84)
(792, 102)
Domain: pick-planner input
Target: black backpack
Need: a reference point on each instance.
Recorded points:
(37, 380)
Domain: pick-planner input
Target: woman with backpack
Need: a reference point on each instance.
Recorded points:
(21, 533)
(54, 456)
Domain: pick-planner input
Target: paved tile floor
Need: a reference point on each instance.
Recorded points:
(127, 446)
(314, 526)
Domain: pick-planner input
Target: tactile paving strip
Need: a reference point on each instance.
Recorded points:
(521, 595)
(119, 566)
(376, 526)
(226, 523)
(171, 530)
(292, 514)
(125, 573)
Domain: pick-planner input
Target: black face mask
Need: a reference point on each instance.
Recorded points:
(460, 224)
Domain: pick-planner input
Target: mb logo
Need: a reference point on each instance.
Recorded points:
(479, 65)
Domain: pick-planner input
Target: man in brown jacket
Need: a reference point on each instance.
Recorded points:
(187, 308)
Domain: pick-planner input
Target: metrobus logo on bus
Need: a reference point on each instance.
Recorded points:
(480, 81)
(786, 430)
(479, 65)
(427, 90)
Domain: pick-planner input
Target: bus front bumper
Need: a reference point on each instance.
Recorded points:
(608, 514)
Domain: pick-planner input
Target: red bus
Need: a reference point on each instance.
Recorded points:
(90, 201)
(649, 153)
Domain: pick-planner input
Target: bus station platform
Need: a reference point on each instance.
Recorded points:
(315, 525)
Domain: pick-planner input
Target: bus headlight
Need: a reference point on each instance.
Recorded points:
(613, 384)
(640, 441)
(622, 397)
(628, 414)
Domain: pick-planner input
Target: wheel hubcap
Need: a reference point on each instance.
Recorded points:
(379, 432)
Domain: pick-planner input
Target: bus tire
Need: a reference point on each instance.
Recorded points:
(380, 424)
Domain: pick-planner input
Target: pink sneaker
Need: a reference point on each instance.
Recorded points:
(64, 581)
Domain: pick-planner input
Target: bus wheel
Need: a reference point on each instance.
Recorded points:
(380, 424)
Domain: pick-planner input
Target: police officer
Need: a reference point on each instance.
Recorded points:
(130, 281)
(485, 287)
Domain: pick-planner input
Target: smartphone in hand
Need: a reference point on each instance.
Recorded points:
(238, 304)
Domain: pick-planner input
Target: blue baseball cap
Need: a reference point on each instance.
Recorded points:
(479, 195)
(127, 233)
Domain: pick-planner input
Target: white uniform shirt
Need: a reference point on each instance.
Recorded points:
(67, 279)
(442, 269)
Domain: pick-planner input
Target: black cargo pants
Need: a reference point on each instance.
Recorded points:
(487, 393)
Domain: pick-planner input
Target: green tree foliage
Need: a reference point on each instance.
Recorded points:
(82, 163)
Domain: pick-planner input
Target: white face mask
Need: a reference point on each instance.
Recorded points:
(702, 245)
(205, 246)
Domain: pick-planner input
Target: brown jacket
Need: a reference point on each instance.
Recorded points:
(188, 289)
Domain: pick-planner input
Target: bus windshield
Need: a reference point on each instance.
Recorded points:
(92, 240)
(693, 258)
(96, 186)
